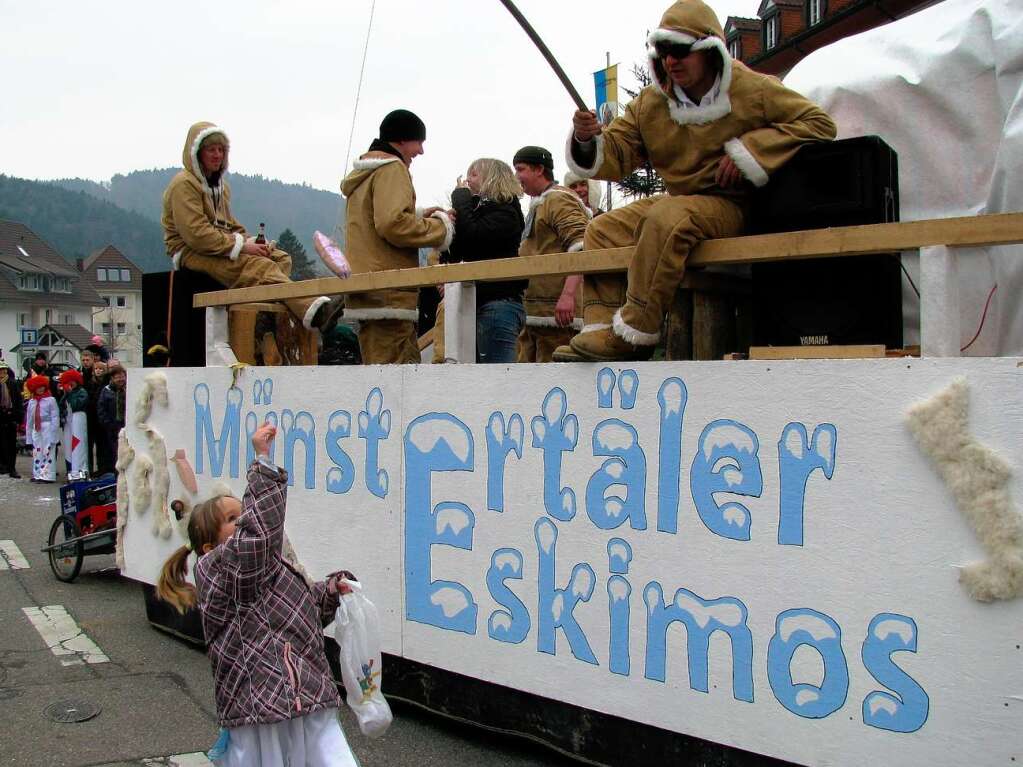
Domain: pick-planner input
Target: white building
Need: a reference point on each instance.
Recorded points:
(119, 322)
(38, 288)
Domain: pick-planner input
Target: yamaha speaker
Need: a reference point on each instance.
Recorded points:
(846, 300)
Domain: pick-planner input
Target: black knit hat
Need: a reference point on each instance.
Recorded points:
(402, 125)
(534, 155)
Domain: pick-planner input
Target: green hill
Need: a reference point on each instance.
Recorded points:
(77, 223)
(281, 206)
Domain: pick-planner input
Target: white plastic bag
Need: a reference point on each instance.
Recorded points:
(357, 632)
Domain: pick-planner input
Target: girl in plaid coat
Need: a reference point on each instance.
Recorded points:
(263, 625)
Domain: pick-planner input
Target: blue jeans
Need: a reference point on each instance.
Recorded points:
(498, 324)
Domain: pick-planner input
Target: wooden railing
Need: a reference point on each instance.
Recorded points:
(938, 270)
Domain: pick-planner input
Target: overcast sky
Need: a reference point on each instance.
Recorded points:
(92, 89)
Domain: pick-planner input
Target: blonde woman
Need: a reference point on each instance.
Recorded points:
(489, 224)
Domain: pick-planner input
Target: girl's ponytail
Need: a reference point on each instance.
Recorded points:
(171, 586)
(203, 529)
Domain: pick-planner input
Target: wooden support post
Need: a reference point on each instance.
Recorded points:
(713, 325)
(678, 330)
(939, 302)
(460, 321)
(218, 350)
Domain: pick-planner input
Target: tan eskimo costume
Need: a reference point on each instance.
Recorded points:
(384, 231)
(201, 234)
(555, 224)
(752, 118)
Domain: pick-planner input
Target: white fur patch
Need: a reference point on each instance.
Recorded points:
(979, 482)
(142, 476)
(632, 335)
(161, 484)
(449, 229)
(575, 167)
(694, 115)
(372, 163)
(746, 162)
(310, 313)
(239, 243)
(550, 322)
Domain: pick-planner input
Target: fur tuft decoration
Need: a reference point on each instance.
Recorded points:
(125, 456)
(154, 389)
(221, 488)
(979, 482)
(142, 477)
(161, 483)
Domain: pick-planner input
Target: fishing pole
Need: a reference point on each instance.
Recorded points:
(542, 47)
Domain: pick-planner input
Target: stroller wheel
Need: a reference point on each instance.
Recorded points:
(66, 559)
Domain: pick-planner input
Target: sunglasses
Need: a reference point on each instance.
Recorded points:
(665, 48)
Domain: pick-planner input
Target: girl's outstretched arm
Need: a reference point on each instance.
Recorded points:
(253, 552)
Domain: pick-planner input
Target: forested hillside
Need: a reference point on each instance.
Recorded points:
(76, 223)
(281, 206)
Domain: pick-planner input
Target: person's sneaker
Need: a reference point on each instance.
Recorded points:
(607, 346)
(328, 315)
(566, 354)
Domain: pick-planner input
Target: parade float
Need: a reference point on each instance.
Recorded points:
(812, 560)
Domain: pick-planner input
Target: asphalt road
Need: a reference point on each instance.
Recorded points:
(154, 692)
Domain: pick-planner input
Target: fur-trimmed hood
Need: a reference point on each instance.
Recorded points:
(190, 152)
(691, 22)
(363, 168)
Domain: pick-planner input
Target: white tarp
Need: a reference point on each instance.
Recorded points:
(943, 88)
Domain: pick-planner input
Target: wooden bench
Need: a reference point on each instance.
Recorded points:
(936, 239)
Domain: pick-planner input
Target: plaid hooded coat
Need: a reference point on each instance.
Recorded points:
(263, 622)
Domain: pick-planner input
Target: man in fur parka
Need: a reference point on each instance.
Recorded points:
(384, 230)
(555, 224)
(201, 233)
(712, 129)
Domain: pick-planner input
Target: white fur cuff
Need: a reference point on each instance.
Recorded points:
(176, 261)
(550, 322)
(310, 313)
(239, 243)
(576, 246)
(746, 162)
(575, 167)
(449, 227)
(630, 334)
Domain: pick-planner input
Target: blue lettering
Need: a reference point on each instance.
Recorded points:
(556, 606)
(726, 462)
(341, 476)
(804, 626)
(906, 711)
(556, 431)
(501, 440)
(436, 442)
(701, 618)
(511, 624)
(797, 460)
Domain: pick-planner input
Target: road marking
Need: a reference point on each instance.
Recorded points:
(11, 556)
(63, 636)
(196, 759)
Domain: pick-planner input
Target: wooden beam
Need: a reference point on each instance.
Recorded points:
(974, 231)
(860, 351)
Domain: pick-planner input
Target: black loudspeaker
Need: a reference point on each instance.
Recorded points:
(847, 300)
(187, 341)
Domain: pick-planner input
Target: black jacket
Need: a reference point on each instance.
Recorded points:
(485, 229)
(17, 411)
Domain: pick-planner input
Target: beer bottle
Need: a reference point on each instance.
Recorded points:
(261, 237)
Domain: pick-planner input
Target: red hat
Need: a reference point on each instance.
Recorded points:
(68, 376)
(36, 381)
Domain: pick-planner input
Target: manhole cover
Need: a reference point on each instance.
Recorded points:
(69, 711)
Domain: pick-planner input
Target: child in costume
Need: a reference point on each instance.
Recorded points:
(76, 438)
(42, 427)
(263, 624)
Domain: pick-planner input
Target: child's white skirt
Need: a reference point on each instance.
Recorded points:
(314, 740)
